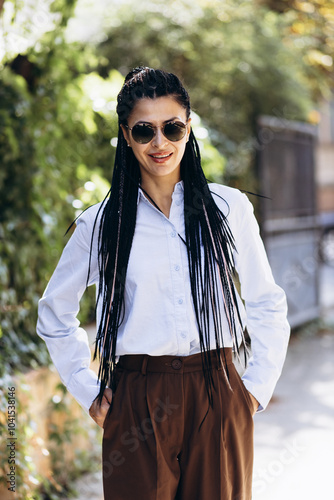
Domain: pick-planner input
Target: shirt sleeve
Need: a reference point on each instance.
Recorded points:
(266, 309)
(57, 323)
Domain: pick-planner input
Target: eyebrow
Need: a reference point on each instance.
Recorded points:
(173, 119)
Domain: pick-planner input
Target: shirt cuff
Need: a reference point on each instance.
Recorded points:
(84, 387)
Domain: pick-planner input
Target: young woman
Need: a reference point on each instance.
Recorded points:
(163, 249)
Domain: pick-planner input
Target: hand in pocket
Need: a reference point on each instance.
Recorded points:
(98, 413)
(254, 401)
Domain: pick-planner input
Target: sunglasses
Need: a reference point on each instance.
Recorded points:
(144, 133)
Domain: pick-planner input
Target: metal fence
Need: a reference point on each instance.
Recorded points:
(289, 225)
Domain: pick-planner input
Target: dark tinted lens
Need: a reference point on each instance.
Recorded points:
(142, 133)
(174, 131)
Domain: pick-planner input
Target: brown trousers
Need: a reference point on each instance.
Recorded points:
(154, 446)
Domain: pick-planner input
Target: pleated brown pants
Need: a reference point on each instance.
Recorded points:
(154, 446)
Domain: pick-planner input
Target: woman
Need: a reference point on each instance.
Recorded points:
(163, 248)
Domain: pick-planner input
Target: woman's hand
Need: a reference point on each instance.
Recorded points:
(98, 413)
(255, 402)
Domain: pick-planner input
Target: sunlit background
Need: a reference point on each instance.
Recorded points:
(260, 77)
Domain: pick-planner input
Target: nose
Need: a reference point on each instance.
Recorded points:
(159, 139)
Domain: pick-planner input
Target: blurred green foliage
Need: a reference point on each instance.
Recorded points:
(52, 144)
(239, 60)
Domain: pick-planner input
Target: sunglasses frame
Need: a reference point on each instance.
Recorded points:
(154, 130)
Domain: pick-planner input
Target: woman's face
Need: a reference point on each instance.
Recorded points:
(159, 158)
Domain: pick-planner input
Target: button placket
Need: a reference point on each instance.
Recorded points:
(180, 312)
(177, 201)
(168, 245)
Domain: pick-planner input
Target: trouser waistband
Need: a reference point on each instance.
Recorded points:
(173, 364)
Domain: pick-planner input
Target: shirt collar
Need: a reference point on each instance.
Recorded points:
(179, 186)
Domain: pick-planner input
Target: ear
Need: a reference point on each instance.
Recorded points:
(126, 134)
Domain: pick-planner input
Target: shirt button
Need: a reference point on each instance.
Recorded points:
(183, 335)
(173, 234)
(178, 203)
(180, 301)
(177, 268)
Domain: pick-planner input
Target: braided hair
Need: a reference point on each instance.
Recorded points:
(209, 241)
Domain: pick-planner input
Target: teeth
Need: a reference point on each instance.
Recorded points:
(161, 156)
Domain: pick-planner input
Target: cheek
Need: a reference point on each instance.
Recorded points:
(138, 151)
(181, 150)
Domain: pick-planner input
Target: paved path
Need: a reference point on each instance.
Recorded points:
(89, 487)
(294, 437)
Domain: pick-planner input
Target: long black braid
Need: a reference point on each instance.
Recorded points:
(209, 241)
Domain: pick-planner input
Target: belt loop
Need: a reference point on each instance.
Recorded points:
(144, 364)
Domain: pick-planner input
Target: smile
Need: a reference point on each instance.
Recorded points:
(159, 156)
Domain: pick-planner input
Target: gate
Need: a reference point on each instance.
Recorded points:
(285, 169)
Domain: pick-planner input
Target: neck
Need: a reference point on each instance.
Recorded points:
(160, 191)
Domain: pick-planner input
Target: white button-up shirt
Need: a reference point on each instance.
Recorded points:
(159, 313)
